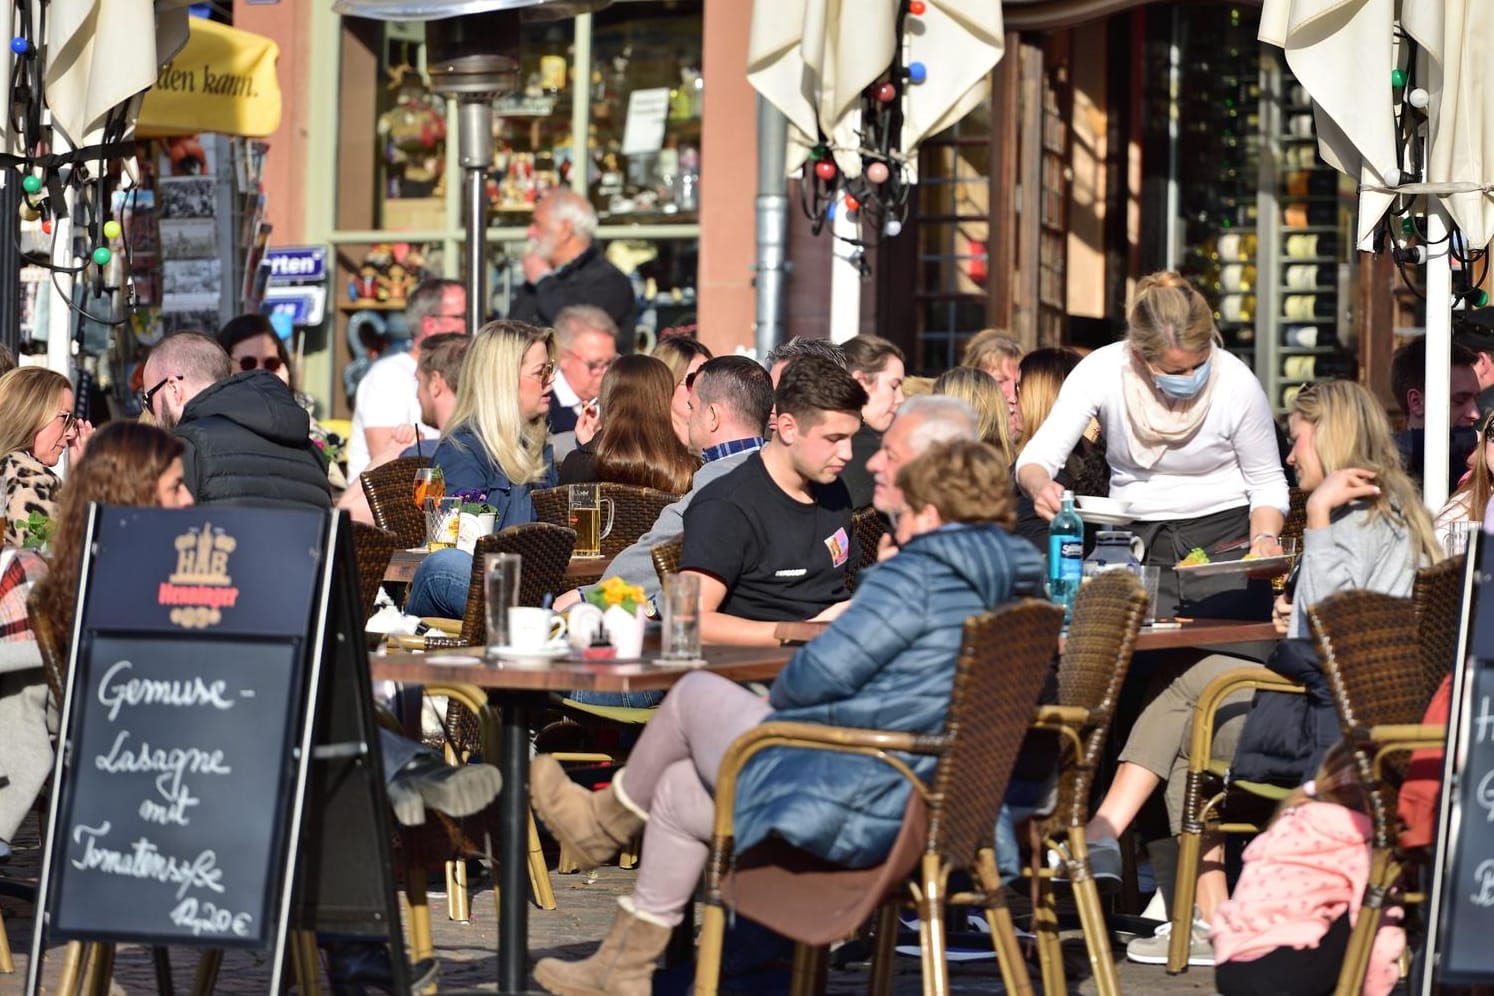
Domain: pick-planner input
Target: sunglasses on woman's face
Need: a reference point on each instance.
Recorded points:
(270, 363)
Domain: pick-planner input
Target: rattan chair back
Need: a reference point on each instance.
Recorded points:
(1438, 594)
(1367, 642)
(1296, 517)
(51, 641)
(1108, 614)
(390, 488)
(373, 547)
(869, 527)
(1005, 658)
(666, 557)
(546, 550)
(552, 505)
(634, 512)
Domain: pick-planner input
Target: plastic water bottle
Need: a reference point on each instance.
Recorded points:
(1065, 556)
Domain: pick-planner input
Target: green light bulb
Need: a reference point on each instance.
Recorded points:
(1397, 78)
(31, 183)
(102, 255)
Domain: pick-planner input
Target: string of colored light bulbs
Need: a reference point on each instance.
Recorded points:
(880, 195)
(45, 177)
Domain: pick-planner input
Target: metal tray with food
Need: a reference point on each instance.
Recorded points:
(1264, 567)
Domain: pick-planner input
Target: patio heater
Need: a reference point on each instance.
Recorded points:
(472, 54)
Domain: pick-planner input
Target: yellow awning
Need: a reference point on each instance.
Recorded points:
(223, 80)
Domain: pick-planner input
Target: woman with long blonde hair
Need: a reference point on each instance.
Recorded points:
(36, 428)
(1366, 529)
(493, 445)
(1085, 472)
(980, 390)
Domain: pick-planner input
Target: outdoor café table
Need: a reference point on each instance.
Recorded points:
(402, 565)
(518, 692)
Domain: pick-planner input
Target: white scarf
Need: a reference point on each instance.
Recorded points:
(1155, 421)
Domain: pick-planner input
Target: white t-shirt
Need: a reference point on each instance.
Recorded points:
(386, 398)
(1233, 459)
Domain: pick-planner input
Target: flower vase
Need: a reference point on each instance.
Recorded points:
(471, 528)
(625, 630)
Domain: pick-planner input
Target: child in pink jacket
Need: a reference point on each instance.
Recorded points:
(1285, 929)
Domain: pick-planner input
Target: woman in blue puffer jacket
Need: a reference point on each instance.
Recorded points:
(887, 663)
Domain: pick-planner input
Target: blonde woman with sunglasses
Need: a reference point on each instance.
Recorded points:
(37, 427)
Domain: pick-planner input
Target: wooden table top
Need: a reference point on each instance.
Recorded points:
(466, 665)
(580, 570)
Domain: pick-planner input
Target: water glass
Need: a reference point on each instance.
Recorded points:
(500, 574)
(1458, 536)
(681, 615)
(1151, 577)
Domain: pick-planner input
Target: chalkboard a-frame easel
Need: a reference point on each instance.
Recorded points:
(218, 721)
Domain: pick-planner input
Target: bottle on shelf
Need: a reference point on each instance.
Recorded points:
(1309, 246)
(1302, 215)
(1310, 183)
(1065, 555)
(554, 68)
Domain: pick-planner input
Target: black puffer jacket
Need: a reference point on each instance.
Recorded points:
(247, 444)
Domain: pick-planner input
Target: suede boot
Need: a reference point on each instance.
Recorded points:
(594, 825)
(622, 966)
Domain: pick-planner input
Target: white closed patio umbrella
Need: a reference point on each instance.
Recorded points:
(814, 59)
(1343, 52)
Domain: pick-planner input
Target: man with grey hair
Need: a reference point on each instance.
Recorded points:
(247, 441)
(565, 267)
(586, 344)
(920, 424)
(386, 396)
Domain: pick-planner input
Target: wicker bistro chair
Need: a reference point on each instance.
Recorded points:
(634, 512)
(391, 499)
(546, 550)
(1438, 595)
(869, 527)
(1370, 657)
(1213, 802)
(1097, 655)
(552, 505)
(1003, 662)
(373, 547)
(666, 557)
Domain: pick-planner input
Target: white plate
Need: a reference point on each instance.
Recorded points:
(453, 660)
(536, 656)
(1107, 518)
(1267, 566)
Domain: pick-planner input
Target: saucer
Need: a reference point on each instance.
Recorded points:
(536, 655)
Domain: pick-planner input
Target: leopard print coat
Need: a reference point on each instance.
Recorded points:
(29, 487)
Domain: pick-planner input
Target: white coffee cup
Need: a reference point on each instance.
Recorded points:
(531, 628)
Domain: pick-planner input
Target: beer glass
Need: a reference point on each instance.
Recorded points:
(586, 519)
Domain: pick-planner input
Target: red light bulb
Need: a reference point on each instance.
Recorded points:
(885, 93)
(852, 204)
(825, 170)
(917, 7)
(877, 172)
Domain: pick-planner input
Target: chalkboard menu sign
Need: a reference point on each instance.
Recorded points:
(220, 779)
(188, 693)
(178, 775)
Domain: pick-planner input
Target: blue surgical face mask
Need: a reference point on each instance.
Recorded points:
(1183, 385)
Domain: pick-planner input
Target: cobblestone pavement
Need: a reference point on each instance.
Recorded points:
(467, 951)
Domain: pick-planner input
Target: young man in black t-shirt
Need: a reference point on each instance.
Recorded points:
(772, 540)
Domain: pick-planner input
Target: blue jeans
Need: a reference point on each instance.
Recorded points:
(1023, 800)
(440, 585)
(626, 700)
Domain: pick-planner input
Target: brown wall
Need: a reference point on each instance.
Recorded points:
(728, 180)
(288, 23)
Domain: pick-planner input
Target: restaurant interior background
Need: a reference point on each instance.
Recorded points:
(1161, 135)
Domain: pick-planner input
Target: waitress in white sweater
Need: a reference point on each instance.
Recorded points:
(1190, 440)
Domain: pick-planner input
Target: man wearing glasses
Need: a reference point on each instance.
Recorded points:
(587, 344)
(565, 267)
(386, 396)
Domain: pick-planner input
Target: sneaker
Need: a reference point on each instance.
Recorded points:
(1104, 864)
(956, 948)
(1153, 950)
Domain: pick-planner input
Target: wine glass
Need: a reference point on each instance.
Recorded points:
(429, 483)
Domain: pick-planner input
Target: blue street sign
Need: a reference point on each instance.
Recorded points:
(296, 264)
(304, 305)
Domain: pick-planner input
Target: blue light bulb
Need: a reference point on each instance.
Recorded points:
(917, 72)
